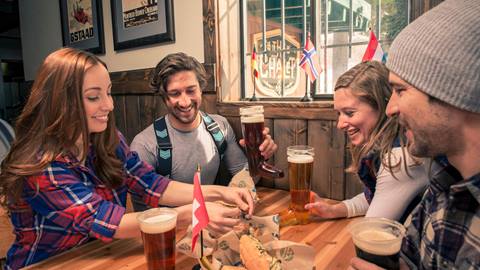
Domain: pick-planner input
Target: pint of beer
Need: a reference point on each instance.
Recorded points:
(252, 130)
(300, 167)
(378, 240)
(158, 233)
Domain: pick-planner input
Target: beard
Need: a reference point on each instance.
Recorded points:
(177, 113)
(420, 146)
(431, 140)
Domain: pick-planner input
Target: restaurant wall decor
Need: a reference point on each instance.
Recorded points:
(142, 22)
(82, 25)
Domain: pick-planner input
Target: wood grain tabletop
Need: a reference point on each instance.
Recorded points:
(329, 238)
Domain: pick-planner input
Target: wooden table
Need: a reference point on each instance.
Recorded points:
(330, 239)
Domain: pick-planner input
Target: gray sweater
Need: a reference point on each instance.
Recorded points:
(190, 148)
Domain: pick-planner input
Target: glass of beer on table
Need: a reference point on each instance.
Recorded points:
(158, 233)
(378, 240)
(252, 130)
(300, 168)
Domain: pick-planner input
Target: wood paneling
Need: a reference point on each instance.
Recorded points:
(6, 233)
(287, 132)
(418, 7)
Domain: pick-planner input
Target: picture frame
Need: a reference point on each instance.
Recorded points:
(142, 22)
(82, 25)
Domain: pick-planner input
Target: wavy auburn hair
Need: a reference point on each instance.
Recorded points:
(51, 123)
(368, 81)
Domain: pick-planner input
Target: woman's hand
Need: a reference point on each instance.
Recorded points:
(321, 208)
(240, 197)
(222, 218)
(268, 146)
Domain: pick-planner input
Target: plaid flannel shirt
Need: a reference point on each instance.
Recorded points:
(66, 205)
(444, 230)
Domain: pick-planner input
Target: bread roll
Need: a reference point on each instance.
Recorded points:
(255, 257)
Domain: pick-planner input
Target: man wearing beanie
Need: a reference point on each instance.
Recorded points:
(434, 68)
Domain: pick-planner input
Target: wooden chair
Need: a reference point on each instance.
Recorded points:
(6, 233)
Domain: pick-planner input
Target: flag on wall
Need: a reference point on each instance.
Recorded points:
(199, 210)
(309, 61)
(254, 62)
(374, 50)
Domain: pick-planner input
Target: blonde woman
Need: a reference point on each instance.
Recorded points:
(392, 178)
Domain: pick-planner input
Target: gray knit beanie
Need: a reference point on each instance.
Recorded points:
(439, 53)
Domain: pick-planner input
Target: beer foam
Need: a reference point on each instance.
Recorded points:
(377, 242)
(300, 159)
(256, 118)
(158, 224)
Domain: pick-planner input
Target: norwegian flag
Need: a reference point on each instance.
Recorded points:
(374, 50)
(199, 211)
(309, 62)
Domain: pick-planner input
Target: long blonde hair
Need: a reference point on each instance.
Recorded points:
(52, 121)
(368, 81)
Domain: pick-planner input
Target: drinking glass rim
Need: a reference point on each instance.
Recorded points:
(396, 224)
(301, 150)
(257, 109)
(141, 216)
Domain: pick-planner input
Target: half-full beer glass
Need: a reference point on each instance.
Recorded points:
(158, 234)
(378, 240)
(300, 167)
(252, 127)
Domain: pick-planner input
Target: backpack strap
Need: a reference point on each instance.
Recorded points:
(164, 147)
(216, 133)
(5, 131)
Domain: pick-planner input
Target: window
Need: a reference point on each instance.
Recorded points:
(339, 29)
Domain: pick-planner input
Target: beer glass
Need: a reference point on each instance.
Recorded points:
(300, 167)
(158, 233)
(252, 127)
(378, 240)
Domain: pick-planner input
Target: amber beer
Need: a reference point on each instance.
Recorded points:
(158, 233)
(300, 167)
(378, 240)
(252, 130)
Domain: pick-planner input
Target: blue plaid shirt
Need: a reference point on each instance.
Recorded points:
(66, 205)
(444, 230)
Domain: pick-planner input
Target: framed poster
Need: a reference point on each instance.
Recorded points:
(82, 25)
(142, 22)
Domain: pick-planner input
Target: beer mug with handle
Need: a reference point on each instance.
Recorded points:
(300, 168)
(253, 124)
(158, 233)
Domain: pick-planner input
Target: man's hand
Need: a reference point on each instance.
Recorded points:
(222, 218)
(268, 146)
(359, 264)
(240, 197)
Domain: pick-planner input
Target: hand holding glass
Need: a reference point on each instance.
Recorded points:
(252, 130)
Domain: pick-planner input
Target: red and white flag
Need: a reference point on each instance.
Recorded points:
(309, 61)
(199, 211)
(374, 50)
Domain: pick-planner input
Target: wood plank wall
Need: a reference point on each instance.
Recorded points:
(313, 124)
(137, 106)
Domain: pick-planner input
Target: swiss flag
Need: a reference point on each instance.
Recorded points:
(199, 211)
(374, 50)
